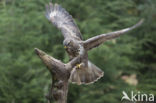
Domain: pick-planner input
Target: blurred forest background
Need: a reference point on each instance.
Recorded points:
(129, 62)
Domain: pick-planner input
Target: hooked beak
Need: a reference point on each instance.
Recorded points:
(65, 47)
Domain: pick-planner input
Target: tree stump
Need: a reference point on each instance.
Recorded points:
(60, 75)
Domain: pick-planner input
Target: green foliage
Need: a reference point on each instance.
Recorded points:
(23, 27)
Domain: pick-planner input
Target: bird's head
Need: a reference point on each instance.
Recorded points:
(70, 44)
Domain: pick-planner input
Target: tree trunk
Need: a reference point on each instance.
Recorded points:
(60, 75)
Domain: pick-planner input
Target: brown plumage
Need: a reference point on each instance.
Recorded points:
(85, 72)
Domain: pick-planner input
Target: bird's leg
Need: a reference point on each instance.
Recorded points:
(78, 66)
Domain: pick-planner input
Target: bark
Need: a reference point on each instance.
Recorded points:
(60, 75)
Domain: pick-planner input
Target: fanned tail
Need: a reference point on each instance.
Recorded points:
(86, 75)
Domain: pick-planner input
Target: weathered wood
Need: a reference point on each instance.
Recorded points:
(60, 75)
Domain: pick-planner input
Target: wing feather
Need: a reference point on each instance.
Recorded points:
(62, 20)
(97, 40)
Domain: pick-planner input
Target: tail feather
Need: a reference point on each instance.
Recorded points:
(86, 75)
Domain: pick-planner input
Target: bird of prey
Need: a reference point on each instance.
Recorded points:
(85, 72)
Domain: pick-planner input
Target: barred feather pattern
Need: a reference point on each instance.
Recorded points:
(63, 21)
(87, 75)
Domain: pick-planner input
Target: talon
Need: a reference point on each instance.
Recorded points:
(78, 66)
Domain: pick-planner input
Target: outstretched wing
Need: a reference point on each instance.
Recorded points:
(97, 40)
(62, 20)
